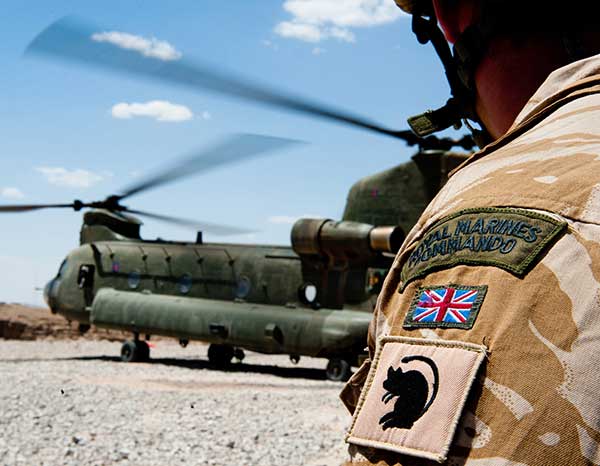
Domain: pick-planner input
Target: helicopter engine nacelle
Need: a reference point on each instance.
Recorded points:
(104, 225)
(348, 241)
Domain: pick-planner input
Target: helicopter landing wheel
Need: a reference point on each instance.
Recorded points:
(295, 358)
(220, 356)
(129, 351)
(135, 351)
(338, 370)
(238, 353)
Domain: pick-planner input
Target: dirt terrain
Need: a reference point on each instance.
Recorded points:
(68, 400)
(21, 322)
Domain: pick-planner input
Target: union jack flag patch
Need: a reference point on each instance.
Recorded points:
(447, 306)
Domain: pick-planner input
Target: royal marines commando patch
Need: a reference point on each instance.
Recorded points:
(449, 306)
(512, 239)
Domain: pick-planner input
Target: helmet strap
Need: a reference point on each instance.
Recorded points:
(461, 105)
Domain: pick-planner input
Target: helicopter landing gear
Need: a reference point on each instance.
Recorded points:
(338, 370)
(238, 353)
(295, 358)
(183, 342)
(220, 356)
(83, 328)
(135, 351)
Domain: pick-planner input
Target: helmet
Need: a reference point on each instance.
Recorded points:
(496, 16)
(409, 6)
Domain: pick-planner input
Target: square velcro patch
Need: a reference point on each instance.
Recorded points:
(447, 306)
(414, 395)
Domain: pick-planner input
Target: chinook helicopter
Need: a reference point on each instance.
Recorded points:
(314, 298)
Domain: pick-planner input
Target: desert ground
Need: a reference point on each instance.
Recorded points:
(66, 399)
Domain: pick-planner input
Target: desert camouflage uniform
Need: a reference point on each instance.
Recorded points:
(534, 397)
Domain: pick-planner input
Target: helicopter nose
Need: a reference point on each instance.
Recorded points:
(50, 293)
(47, 292)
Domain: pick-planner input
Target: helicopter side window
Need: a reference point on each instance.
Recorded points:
(185, 283)
(307, 293)
(243, 287)
(133, 279)
(85, 277)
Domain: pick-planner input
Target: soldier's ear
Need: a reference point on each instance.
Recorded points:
(455, 16)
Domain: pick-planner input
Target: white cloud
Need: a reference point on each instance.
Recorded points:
(342, 34)
(317, 20)
(151, 47)
(305, 32)
(77, 178)
(160, 110)
(289, 219)
(344, 13)
(11, 193)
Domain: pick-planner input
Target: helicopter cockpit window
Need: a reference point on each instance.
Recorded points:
(307, 293)
(133, 279)
(185, 284)
(243, 287)
(62, 269)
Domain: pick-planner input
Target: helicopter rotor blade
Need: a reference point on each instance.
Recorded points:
(231, 150)
(31, 207)
(79, 42)
(214, 228)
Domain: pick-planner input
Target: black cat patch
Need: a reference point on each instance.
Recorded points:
(414, 395)
(410, 390)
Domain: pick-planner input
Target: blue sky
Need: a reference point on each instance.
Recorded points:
(65, 135)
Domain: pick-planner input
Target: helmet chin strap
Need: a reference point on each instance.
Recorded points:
(461, 105)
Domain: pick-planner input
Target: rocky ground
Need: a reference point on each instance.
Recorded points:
(31, 323)
(70, 401)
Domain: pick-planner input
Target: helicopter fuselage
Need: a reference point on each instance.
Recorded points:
(247, 296)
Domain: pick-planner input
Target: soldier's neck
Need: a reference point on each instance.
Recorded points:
(509, 75)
